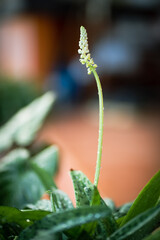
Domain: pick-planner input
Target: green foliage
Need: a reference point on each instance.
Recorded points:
(58, 219)
(83, 188)
(22, 218)
(87, 194)
(24, 177)
(42, 204)
(60, 200)
(139, 226)
(14, 95)
(22, 127)
(93, 218)
(9, 231)
(48, 160)
(18, 171)
(62, 221)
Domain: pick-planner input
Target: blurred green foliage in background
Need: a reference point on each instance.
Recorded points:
(13, 96)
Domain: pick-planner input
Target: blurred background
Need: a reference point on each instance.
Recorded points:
(38, 52)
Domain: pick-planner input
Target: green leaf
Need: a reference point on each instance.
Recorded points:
(59, 200)
(80, 183)
(62, 221)
(45, 164)
(42, 204)
(147, 198)
(110, 203)
(121, 212)
(23, 218)
(95, 200)
(138, 227)
(87, 194)
(48, 159)
(22, 127)
(154, 236)
(18, 172)
(14, 95)
(107, 225)
(125, 208)
(46, 179)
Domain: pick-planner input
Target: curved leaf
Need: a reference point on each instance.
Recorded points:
(18, 173)
(87, 195)
(60, 200)
(62, 221)
(42, 204)
(23, 218)
(48, 159)
(80, 183)
(138, 227)
(23, 126)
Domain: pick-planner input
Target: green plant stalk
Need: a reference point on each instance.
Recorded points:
(101, 117)
(85, 58)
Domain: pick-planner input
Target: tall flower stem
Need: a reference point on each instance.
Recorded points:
(101, 117)
(85, 58)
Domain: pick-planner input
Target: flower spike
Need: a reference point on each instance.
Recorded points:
(85, 56)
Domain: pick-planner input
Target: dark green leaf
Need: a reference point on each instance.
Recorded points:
(59, 200)
(62, 221)
(22, 127)
(90, 228)
(95, 200)
(22, 218)
(87, 194)
(108, 225)
(147, 198)
(22, 181)
(139, 227)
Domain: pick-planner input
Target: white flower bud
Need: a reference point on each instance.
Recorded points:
(85, 57)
